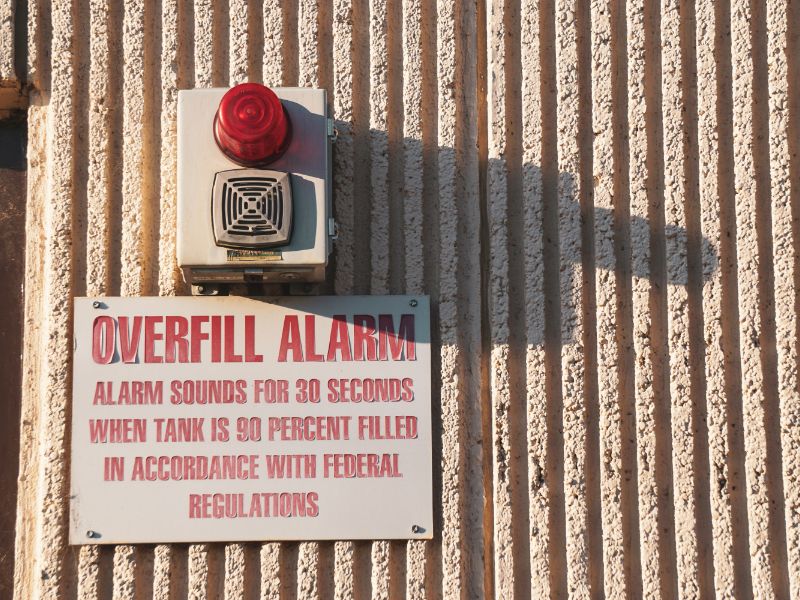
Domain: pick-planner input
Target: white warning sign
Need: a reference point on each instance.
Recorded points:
(233, 419)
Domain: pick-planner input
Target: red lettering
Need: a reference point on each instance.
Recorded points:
(311, 340)
(290, 340)
(198, 335)
(117, 431)
(150, 338)
(103, 340)
(408, 389)
(129, 340)
(113, 467)
(313, 507)
(195, 511)
(102, 393)
(364, 337)
(396, 342)
(340, 339)
(216, 339)
(177, 328)
(250, 340)
(230, 356)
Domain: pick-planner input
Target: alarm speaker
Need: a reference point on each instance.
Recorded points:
(251, 208)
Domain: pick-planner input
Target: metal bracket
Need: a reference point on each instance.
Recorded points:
(206, 289)
(333, 133)
(333, 229)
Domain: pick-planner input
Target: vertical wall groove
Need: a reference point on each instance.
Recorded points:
(362, 203)
(394, 138)
(255, 41)
(712, 307)
(639, 170)
(655, 50)
(344, 75)
(608, 375)
(767, 142)
(696, 249)
(535, 398)
(431, 235)
(173, 78)
(151, 143)
(7, 54)
(133, 258)
(554, 464)
(453, 547)
(98, 239)
(484, 80)
(750, 269)
(570, 195)
(26, 542)
(239, 41)
(496, 236)
(518, 430)
(588, 308)
(52, 570)
(730, 318)
(468, 287)
(676, 191)
(624, 311)
(379, 147)
(787, 107)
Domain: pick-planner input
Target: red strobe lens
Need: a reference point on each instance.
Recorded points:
(251, 127)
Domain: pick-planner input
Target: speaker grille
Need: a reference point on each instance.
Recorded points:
(251, 208)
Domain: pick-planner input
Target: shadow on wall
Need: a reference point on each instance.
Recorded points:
(639, 249)
(540, 216)
(650, 244)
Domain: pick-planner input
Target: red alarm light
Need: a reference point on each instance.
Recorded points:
(251, 126)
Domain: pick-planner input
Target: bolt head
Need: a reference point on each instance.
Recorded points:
(413, 303)
(96, 304)
(416, 529)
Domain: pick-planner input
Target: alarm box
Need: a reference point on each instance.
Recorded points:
(254, 185)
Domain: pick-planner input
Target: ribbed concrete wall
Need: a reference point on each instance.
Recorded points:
(602, 199)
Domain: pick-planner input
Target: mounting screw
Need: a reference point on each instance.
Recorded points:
(201, 289)
(92, 534)
(416, 529)
(96, 304)
(413, 303)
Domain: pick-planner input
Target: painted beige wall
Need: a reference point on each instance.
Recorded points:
(602, 199)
